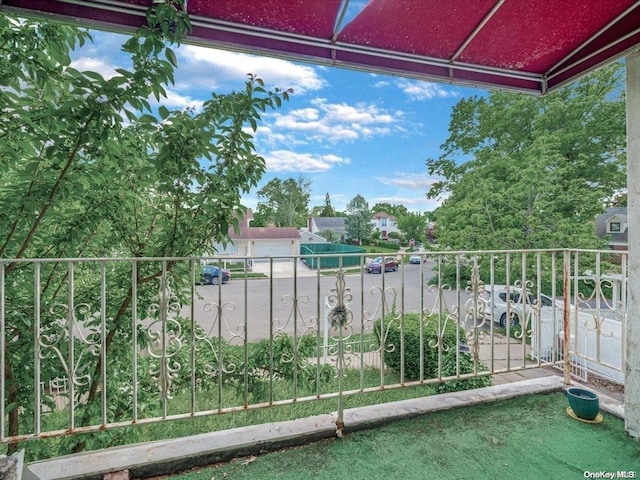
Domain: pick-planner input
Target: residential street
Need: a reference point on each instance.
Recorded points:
(249, 300)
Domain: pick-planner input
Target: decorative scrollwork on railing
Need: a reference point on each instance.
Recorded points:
(211, 345)
(340, 318)
(165, 340)
(595, 322)
(389, 316)
(527, 309)
(444, 314)
(606, 294)
(300, 326)
(81, 325)
(599, 286)
(220, 322)
(296, 315)
(476, 312)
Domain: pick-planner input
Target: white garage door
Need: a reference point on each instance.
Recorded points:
(271, 248)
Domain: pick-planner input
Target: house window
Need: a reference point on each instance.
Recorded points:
(383, 222)
(614, 227)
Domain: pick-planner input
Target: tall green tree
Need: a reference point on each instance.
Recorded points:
(413, 226)
(358, 221)
(284, 203)
(395, 210)
(327, 208)
(324, 210)
(89, 170)
(526, 172)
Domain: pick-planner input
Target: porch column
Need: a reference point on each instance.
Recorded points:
(632, 373)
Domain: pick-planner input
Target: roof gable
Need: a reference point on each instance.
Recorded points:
(266, 233)
(329, 223)
(381, 215)
(612, 214)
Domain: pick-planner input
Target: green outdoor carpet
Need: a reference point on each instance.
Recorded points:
(528, 438)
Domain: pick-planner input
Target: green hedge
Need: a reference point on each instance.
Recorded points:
(384, 244)
(411, 332)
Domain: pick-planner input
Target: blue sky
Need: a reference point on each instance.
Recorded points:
(347, 132)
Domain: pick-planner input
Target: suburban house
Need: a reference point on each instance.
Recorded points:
(385, 224)
(261, 241)
(321, 224)
(612, 226)
(307, 237)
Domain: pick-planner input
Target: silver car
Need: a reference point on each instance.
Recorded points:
(502, 303)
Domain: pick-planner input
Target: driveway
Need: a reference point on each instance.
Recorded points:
(283, 268)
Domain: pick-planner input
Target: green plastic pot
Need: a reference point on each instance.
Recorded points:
(584, 403)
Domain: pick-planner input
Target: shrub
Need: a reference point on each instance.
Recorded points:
(411, 332)
(450, 338)
(387, 244)
(466, 366)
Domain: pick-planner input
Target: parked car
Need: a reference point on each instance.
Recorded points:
(415, 259)
(497, 297)
(375, 265)
(210, 275)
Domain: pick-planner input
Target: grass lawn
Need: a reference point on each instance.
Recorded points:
(528, 438)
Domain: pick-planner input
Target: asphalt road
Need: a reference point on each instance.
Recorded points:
(248, 301)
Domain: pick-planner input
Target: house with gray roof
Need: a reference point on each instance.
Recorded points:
(321, 224)
(613, 227)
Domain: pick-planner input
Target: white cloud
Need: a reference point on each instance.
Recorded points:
(423, 90)
(208, 67)
(266, 135)
(177, 101)
(359, 113)
(334, 122)
(95, 65)
(305, 114)
(288, 161)
(412, 181)
(173, 99)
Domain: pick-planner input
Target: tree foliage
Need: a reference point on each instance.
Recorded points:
(394, 210)
(539, 169)
(358, 221)
(90, 170)
(326, 210)
(284, 203)
(413, 226)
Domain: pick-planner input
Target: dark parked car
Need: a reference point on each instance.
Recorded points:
(210, 275)
(375, 265)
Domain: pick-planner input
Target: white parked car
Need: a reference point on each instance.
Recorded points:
(415, 259)
(595, 336)
(503, 303)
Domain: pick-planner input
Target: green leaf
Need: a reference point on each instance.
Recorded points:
(164, 112)
(146, 118)
(171, 56)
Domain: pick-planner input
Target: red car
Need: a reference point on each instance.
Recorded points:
(375, 265)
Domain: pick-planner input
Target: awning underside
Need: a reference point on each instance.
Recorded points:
(529, 45)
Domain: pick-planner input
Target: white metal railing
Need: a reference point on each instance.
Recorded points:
(93, 344)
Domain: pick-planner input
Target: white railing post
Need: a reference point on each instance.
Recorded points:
(566, 296)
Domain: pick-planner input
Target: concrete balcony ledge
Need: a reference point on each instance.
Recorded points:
(169, 456)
